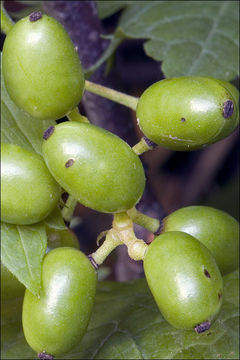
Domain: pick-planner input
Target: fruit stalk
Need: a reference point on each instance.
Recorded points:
(143, 220)
(117, 96)
(110, 243)
(123, 225)
(6, 22)
(69, 207)
(75, 115)
(143, 145)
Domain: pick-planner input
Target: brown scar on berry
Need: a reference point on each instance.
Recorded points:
(228, 109)
(48, 132)
(206, 273)
(200, 328)
(69, 163)
(34, 16)
(219, 295)
(45, 356)
(183, 119)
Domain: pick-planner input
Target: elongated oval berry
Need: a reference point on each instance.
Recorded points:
(216, 229)
(41, 68)
(187, 113)
(95, 166)
(56, 322)
(184, 280)
(29, 192)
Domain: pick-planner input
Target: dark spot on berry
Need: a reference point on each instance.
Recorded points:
(200, 328)
(228, 109)
(150, 143)
(183, 119)
(206, 273)
(64, 196)
(219, 295)
(45, 356)
(69, 163)
(48, 132)
(93, 262)
(36, 15)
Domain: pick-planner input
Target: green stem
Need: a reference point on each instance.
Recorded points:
(110, 243)
(68, 210)
(142, 146)
(6, 22)
(75, 115)
(117, 96)
(143, 220)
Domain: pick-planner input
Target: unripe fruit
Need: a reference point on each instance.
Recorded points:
(184, 280)
(12, 290)
(29, 192)
(187, 113)
(41, 68)
(95, 166)
(217, 230)
(56, 322)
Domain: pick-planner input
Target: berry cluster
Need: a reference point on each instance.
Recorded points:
(194, 246)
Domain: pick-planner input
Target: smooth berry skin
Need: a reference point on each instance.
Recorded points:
(216, 229)
(186, 113)
(12, 291)
(95, 166)
(29, 192)
(177, 268)
(57, 321)
(41, 68)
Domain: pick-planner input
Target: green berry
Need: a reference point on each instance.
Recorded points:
(217, 230)
(41, 68)
(29, 192)
(56, 321)
(95, 166)
(187, 113)
(184, 280)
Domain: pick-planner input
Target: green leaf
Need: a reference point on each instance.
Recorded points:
(22, 251)
(55, 220)
(108, 8)
(126, 324)
(189, 38)
(18, 127)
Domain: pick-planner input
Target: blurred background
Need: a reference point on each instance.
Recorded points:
(174, 179)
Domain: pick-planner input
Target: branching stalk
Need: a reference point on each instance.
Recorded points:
(110, 243)
(143, 220)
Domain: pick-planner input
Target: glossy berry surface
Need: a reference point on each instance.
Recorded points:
(187, 113)
(96, 167)
(41, 68)
(56, 322)
(184, 280)
(29, 192)
(216, 229)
